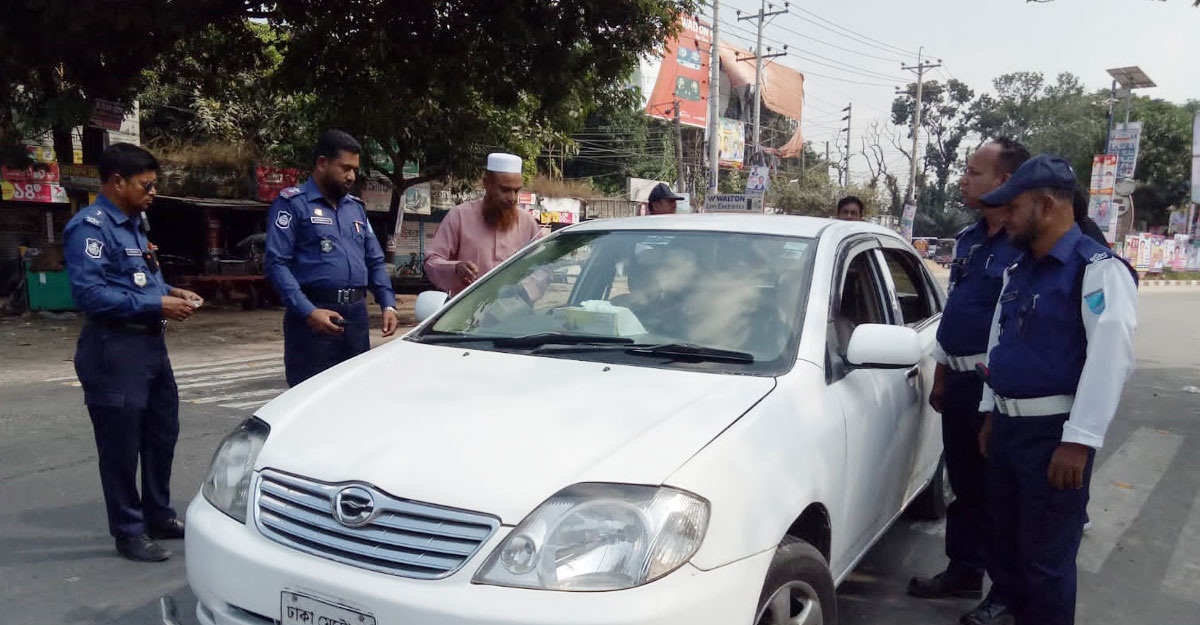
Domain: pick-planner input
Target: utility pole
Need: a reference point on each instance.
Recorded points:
(714, 105)
(920, 69)
(761, 16)
(846, 162)
(678, 150)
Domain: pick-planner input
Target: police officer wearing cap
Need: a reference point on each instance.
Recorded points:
(321, 256)
(981, 254)
(662, 200)
(121, 357)
(1060, 351)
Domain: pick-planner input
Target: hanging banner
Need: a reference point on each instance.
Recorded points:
(681, 74)
(906, 222)
(1124, 145)
(731, 149)
(107, 114)
(758, 180)
(1100, 206)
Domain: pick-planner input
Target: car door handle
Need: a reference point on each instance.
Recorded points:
(912, 373)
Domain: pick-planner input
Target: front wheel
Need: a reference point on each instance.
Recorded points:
(798, 589)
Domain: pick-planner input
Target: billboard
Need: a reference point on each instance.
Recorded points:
(731, 150)
(1101, 208)
(680, 74)
(1124, 145)
(734, 203)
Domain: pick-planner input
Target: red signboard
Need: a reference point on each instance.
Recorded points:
(48, 193)
(272, 180)
(37, 172)
(683, 76)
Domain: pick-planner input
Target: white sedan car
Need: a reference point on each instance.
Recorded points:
(709, 421)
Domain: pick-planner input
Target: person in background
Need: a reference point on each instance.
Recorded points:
(1079, 205)
(477, 236)
(321, 257)
(662, 201)
(121, 357)
(850, 208)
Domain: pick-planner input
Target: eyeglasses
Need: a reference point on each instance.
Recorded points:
(149, 186)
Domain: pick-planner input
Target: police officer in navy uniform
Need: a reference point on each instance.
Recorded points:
(121, 357)
(1060, 351)
(981, 253)
(321, 256)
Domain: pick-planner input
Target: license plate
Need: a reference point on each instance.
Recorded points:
(297, 609)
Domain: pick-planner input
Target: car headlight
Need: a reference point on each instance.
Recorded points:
(227, 485)
(592, 537)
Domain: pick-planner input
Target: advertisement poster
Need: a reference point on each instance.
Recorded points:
(906, 222)
(269, 181)
(682, 73)
(1157, 253)
(758, 180)
(1193, 255)
(731, 151)
(1131, 249)
(1124, 145)
(1180, 260)
(1101, 208)
(734, 203)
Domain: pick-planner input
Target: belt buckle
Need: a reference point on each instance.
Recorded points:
(1002, 404)
(343, 296)
(162, 327)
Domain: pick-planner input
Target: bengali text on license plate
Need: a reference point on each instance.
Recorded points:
(297, 609)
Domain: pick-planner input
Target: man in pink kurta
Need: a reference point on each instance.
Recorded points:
(476, 236)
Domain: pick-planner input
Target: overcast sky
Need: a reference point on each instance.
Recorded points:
(840, 43)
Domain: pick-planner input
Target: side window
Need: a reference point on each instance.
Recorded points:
(912, 289)
(861, 300)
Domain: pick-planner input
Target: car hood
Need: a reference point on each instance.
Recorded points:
(496, 432)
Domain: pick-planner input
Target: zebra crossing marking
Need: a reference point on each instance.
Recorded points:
(1119, 490)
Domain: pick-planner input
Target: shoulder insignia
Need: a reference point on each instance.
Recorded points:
(95, 221)
(1099, 256)
(283, 220)
(93, 248)
(1095, 301)
(289, 192)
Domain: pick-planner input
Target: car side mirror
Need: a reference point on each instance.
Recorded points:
(428, 303)
(881, 346)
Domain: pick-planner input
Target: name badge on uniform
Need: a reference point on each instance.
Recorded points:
(133, 251)
(321, 220)
(326, 246)
(139, 278)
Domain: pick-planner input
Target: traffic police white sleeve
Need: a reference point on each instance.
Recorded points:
(987, 402)
(1109, 309)
(939, 354)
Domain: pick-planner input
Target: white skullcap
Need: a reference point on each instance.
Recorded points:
(502, 163)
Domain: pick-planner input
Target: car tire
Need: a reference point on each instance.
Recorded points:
(931, 504)
(798, 589)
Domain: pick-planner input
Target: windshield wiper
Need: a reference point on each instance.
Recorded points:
(674, 351)
(527, 340)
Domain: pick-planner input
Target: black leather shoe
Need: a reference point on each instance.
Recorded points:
(947, 584)
(164, 530)
(989, 613)
(141, 549)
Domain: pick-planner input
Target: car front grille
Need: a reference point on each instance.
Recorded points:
(401, 537)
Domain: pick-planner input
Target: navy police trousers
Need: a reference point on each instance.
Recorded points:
(133, 403)
(1035, 528)
(306, 353)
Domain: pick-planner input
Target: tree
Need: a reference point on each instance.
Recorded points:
(443, 82)
(619, 142)
(58, 57)
(873, 150)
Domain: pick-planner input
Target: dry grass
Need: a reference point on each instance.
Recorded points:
(550, 187)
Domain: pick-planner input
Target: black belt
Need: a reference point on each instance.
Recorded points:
(336, 296)
(128, 325)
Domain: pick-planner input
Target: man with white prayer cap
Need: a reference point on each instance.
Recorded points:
(476, 236)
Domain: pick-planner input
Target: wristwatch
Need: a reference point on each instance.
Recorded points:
(391, 308)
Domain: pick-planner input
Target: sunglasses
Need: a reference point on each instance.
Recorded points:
(146, 186)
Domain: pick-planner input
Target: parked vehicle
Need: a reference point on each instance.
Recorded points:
(710, 422)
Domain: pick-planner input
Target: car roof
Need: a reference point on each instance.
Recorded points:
(787, 225)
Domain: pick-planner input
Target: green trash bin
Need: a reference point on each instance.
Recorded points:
(49, 290)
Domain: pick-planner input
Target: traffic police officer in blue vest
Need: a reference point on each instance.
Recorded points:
(321, 256)
(1060, 351)
(981, 254)
(121, 357)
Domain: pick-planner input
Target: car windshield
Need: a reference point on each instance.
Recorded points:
(710, 301)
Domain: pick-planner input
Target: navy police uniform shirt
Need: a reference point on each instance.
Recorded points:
(976, 276)
(313, 244)
(1064, 325)
(105, 253)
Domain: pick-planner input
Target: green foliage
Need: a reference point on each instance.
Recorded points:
(946, 117)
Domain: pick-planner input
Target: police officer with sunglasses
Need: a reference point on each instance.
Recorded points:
(121, 358)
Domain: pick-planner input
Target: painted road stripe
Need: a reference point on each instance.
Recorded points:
(1119, 490)
(221, 380)
(231, 361)
(235, 396)
(1183, 573)
(253, 366)
(246, 404)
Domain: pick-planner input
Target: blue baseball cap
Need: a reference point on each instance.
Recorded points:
(1044, 171)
